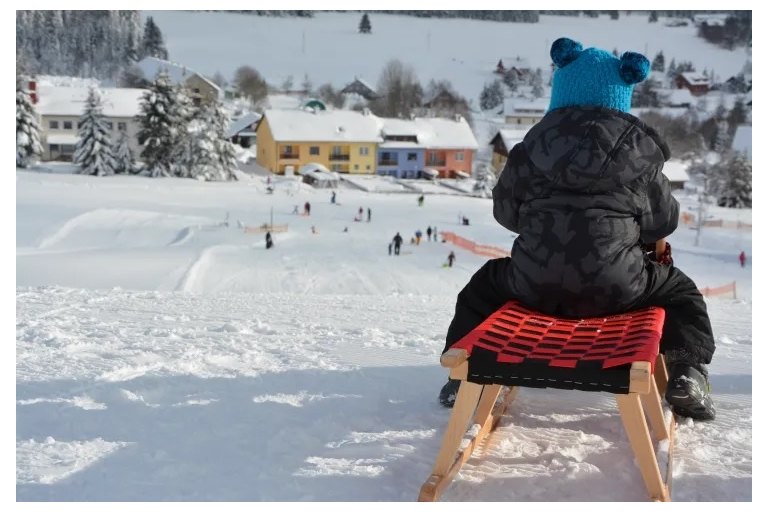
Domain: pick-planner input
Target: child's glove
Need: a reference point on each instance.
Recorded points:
(665, 258)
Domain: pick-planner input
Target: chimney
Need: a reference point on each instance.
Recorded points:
(458, 118)
(366, 111)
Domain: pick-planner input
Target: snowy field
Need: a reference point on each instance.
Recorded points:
(462, 51)
(162, 355)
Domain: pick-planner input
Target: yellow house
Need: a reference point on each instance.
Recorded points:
(341, 140)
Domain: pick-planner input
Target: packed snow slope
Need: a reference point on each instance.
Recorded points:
(165, 355)
(329, 49)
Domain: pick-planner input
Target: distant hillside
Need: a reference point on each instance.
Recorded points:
(327, 48)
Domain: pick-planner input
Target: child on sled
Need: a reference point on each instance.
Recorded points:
(585, 191)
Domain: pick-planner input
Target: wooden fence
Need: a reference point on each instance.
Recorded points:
(275, 228)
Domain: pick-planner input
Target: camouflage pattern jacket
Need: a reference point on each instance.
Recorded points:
(583, 190)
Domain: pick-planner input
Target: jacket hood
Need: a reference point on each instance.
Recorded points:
(593, 148)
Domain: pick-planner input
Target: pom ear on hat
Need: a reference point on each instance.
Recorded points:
(564, 51)
(633, 67)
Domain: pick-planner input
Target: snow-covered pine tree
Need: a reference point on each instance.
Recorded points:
(537, 81)
(722, 137)
(93, 152)
(492, 95)
(162, 126)
(653, 17)
(225, 149)
(658, 62)
(365, 25)
(28, 148)
(486, 180)
(735, 183)
(205, 153)
(198, 158)
(125, 163)
(152, 44)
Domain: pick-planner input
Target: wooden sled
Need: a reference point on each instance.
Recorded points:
(516, 347)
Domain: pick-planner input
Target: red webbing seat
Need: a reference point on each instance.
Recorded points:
(521, 347)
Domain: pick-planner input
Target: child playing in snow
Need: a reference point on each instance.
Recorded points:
(584, 190)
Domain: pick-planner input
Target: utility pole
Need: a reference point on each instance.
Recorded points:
(303, 42)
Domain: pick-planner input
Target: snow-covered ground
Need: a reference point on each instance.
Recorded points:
(162, 355)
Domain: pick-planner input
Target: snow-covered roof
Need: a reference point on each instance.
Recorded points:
(178, 73)
(526, 106)
(516, 62)
(62, 138)
(695, 78)
(398, 144)
(742, 140)
(403, 127)
(70, 101)
(439, 132)
(238, 125)
(511, 136)
(323, 125)
(676, 170)
(677, 96)
(318, 171)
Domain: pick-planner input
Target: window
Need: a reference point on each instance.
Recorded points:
(67, 125)
(460, 156)
(196, 90)
(122, 127)
(110, 125)
(364, 151)
(519, 121)
(336, 150)
(53, 125)
(314, 150)
(196, 101)
(357, 167)
(411, 157)
(79, 124)
(53, 147)
(367, 167)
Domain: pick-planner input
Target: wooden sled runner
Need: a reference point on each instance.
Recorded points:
(517, 347)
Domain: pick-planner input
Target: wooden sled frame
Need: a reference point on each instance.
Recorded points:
(643, 401)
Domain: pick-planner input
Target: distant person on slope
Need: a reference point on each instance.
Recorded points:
(268, 240)
(397, 241)
(585, 190)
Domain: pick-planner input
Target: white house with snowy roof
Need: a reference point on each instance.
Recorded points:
(59, 109)
(676, 171)
(199, 88)
(524, 111)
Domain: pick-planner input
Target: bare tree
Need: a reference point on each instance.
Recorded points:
(399, 90)
(250, 83)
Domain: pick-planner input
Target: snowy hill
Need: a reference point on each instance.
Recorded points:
(163, 355)
(328, 47)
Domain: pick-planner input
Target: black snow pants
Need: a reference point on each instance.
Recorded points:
(686, 337)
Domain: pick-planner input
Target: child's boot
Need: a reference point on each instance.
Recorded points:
(688, 392)
(448, 393)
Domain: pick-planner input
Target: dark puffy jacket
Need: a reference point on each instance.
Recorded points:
(582, 190)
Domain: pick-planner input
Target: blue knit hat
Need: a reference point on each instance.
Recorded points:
(594, 77)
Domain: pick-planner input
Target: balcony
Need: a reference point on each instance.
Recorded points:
(289, 156)
(388, 162)
(338, 158)
(436, 163)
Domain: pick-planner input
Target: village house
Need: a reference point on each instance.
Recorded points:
(450, 145)
(343, 141)
(503, 142)
(524, 111)
(361, 88)
(695, 82)
(200, 89)
(400, 153)
(59, 110)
